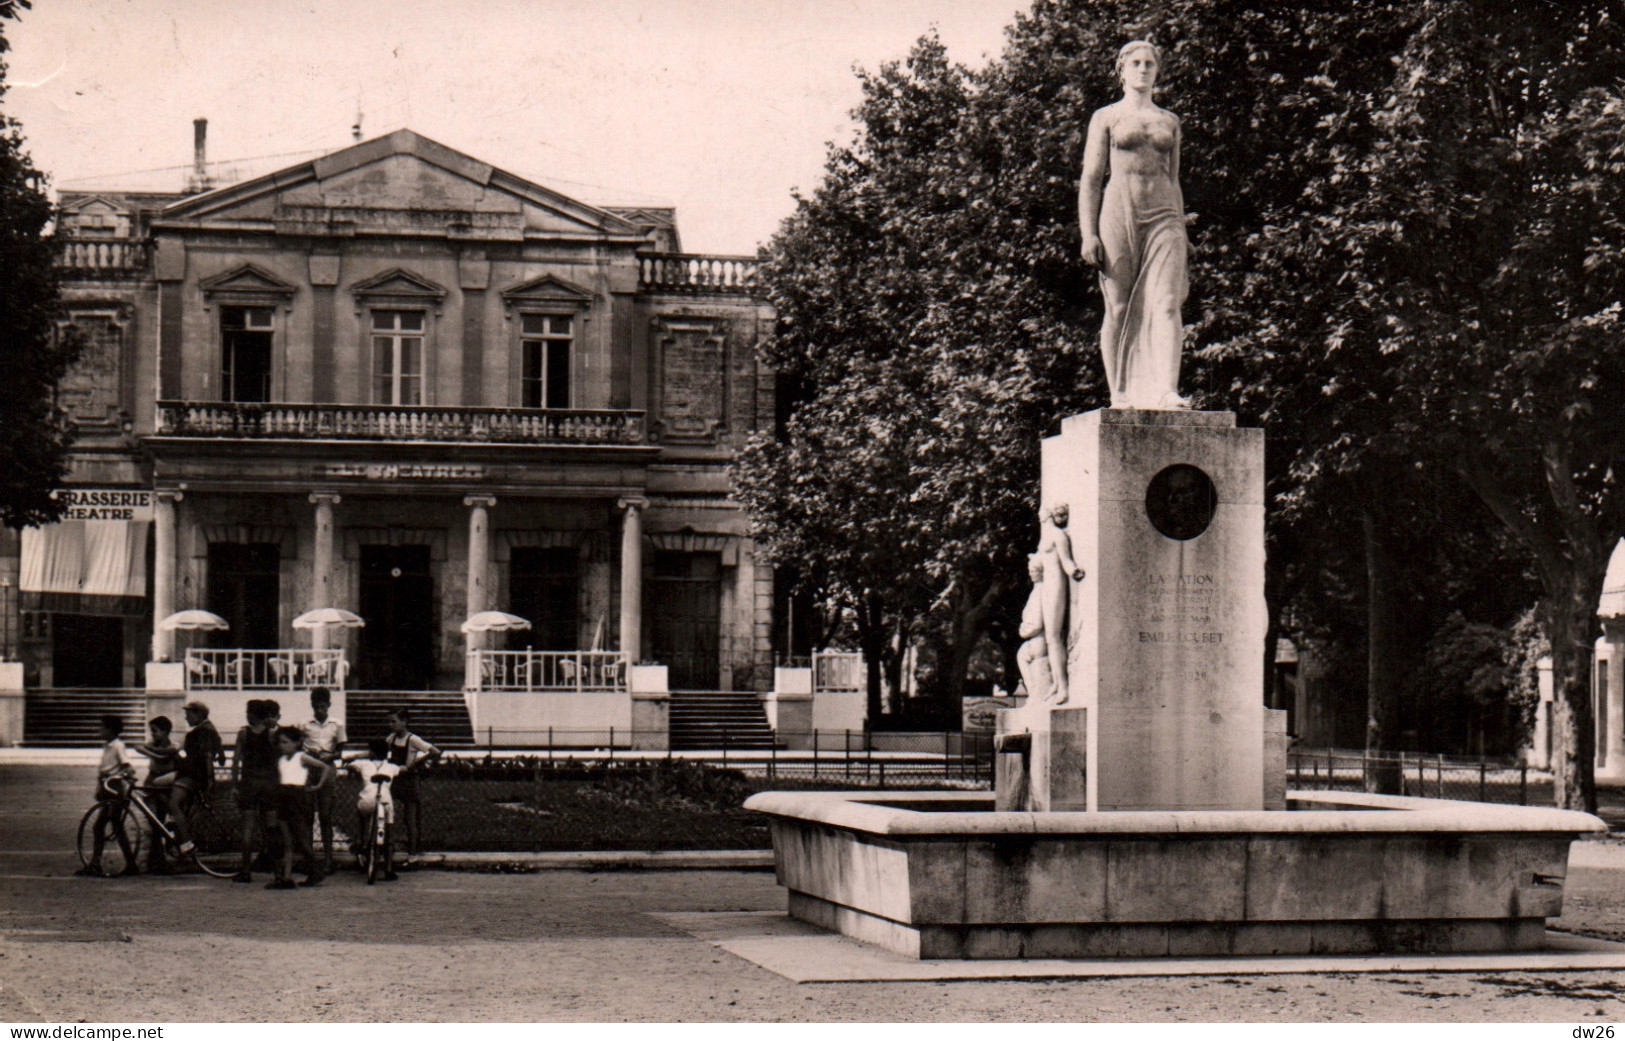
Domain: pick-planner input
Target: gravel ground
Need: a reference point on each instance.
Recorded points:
(583, 946)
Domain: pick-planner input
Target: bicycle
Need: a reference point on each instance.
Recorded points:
(377, 852)
(126, 812)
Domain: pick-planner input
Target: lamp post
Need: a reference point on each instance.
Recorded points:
(5, 619)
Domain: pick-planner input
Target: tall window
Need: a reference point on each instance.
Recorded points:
(245, 353)
(397, 353)
(545, 341)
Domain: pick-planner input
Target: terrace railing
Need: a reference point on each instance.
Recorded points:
(280, 668)
(546, 671)
(838, 670)
(240, 419)
(101, 258)
(697, 273)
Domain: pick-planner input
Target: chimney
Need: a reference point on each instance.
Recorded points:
(200, 166)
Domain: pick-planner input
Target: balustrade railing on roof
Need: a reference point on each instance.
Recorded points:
(697, 273)
(86, 257)
(240, 419)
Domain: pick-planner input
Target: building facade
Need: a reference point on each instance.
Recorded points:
(402, 382)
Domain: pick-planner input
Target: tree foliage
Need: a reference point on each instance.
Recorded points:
(1407, 268)
(34, 432)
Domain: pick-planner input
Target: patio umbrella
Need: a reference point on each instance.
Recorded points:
(191, 621)
(325, 617)
(495, 622)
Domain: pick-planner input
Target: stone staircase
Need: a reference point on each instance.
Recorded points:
(71, 718)
(440, 717)
(717, 719)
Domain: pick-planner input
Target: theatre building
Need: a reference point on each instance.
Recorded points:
(402, 383)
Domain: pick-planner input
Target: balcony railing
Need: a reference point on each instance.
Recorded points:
(399, 423)
(547, 671)
(100, 258)
(281, 668)
(697, 273)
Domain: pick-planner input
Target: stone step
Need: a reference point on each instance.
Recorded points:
(72, 718)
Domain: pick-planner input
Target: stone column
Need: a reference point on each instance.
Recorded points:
(163, 572)
(321, 584)
(479, 559)
(632, 578)
(1611, 714)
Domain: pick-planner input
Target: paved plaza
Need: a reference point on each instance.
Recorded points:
(606, 946)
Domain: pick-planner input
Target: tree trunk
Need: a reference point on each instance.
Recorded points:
(1570, 616)
(968, 621)
(872, 641)
(1383, 770)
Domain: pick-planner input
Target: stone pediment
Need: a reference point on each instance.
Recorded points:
(400, 283)
(401, 183)
(247, 279)
(549, 289)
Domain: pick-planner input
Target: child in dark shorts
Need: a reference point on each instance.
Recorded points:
(293, 805)
(254, 773)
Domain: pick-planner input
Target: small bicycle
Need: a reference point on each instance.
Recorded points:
(126, 812)
(376, 854)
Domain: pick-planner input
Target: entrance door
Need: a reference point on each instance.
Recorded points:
(87, 651)
(544, 587)
(683, 609)
(397, 603)
(244, 589)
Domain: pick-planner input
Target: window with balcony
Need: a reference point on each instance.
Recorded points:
(545, 343)
(397, 357)
(246, 340)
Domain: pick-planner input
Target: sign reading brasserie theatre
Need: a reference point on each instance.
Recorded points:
(115, 504)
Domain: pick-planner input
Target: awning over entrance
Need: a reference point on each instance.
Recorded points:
(85, 567)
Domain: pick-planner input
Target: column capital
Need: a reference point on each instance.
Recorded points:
(480, 501)
(632, 502)
(169, 494)
(325, 498)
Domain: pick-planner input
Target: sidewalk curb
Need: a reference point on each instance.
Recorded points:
(602, 860)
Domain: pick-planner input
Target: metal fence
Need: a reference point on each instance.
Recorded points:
(1422, 776)
(572, 801)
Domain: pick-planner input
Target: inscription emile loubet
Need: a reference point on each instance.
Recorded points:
(1192, 597)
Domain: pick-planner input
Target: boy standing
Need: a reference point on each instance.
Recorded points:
(114, 775)
(254, 773)
(323, 739)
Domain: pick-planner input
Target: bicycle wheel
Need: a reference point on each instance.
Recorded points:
(125, 820)
(374, 850)
(211, 850)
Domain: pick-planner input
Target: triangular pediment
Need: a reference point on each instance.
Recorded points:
(98, 205)
(401, 183)
(399, 282)
(248, 278)
(548, 289)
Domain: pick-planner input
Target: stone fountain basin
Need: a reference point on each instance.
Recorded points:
(943, 875)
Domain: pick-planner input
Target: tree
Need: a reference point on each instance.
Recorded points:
(1481, 241)
(34, 432)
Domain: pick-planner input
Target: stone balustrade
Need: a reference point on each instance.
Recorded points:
(398, 423)
(100, 258)
(697, 273)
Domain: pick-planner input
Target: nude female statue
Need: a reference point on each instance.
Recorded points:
(1059, 571)
(1133, 229)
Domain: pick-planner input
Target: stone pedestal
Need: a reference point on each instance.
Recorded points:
(1166, 632)
(789, 707)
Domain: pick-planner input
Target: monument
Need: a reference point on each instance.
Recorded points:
(1140, 806)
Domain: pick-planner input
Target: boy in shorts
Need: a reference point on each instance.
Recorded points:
(114, 775)
(324, 738)
(194, 774)
(254, 773)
